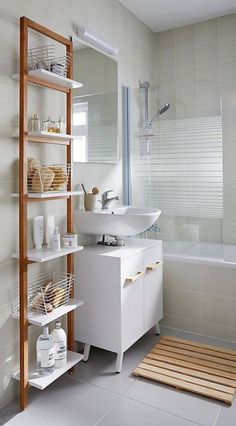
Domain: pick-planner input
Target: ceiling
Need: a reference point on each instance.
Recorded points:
(162, 15)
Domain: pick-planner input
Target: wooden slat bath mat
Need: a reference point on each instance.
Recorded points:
(195, 367)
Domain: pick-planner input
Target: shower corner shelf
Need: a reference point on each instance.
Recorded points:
(40, 319)
(41, 382)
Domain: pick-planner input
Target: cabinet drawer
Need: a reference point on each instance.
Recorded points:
(153, 257)
(133, 269)
(153, 286)
(133, 272)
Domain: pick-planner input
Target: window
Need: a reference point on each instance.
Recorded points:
(80, 130)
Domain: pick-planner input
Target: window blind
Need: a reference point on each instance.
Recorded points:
(183, 175)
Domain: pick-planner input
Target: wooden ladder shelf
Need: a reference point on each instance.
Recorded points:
(25, 78)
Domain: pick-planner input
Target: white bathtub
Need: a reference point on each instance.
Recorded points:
(199, 252)
(200, 288)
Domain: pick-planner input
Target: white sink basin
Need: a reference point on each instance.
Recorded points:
(123, 221)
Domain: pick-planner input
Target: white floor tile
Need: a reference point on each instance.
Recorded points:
(68, 402)
(127, 412)
(227, 416)
(182, 404)
(100, 370)
(206, 339)
(146, 343)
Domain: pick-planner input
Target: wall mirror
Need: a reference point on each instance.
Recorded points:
(94, 106)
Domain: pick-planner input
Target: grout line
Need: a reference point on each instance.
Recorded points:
(98, 386)
(217, 416)
(109, 410)
(164, 411)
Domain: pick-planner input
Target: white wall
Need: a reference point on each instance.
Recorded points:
(136, 45)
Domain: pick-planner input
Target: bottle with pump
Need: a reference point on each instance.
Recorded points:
(56, 240)
(45, 352)
(60, 342)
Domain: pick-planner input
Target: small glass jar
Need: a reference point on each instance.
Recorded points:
(35, 123)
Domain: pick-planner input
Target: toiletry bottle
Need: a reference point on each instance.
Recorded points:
(45, 352)
(62, 127)
(50, 226)
(35, 123)
(56, 240)
(60, 343)
(38, 232)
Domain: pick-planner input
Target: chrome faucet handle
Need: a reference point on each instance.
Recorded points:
(105, 194)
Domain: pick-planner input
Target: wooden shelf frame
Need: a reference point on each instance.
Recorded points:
(25, 25)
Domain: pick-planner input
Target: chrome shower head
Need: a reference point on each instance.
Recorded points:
(163, 109)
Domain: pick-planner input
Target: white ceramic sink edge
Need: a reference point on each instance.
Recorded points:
(123, 221)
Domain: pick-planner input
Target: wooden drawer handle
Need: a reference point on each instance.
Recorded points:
(135, 277)
(153, 267)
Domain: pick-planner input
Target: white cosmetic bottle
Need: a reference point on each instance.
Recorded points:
(45, 352)
(38, 232)
(50, 225)
(60, 345)
(56, 240)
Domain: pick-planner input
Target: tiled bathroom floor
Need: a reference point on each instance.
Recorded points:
(94, 395)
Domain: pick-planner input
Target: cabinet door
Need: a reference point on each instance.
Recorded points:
(132, 300)
(153, 286)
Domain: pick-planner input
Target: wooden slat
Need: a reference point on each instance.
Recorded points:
(204, 371)
(198, 349)
(201, 345)
(195, 360)
(199, 355)
(44, 139)
(48, 84)
(70, 201)
(191, 372)
(23, 267)
(177, 362)
(221, 396)
(186, 378)
(47, 32)
(33, 200)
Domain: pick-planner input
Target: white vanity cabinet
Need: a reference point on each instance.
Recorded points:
(122, 290)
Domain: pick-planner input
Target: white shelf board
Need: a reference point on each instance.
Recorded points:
(50, 135)
(41, 382)
(52, 78)
(42, 319)
(46, 254)
(50, 194)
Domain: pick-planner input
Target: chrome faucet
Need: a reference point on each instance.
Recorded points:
(107, 201)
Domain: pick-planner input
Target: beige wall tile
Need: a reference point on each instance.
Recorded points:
(188, 305)
(216, 310)
(184, 36)
(187, 324)
(169, 301)
(206, 31)
(216, 331)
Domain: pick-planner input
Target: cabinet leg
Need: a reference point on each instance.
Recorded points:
(86, 352)
(157, 329)
(119, 360)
